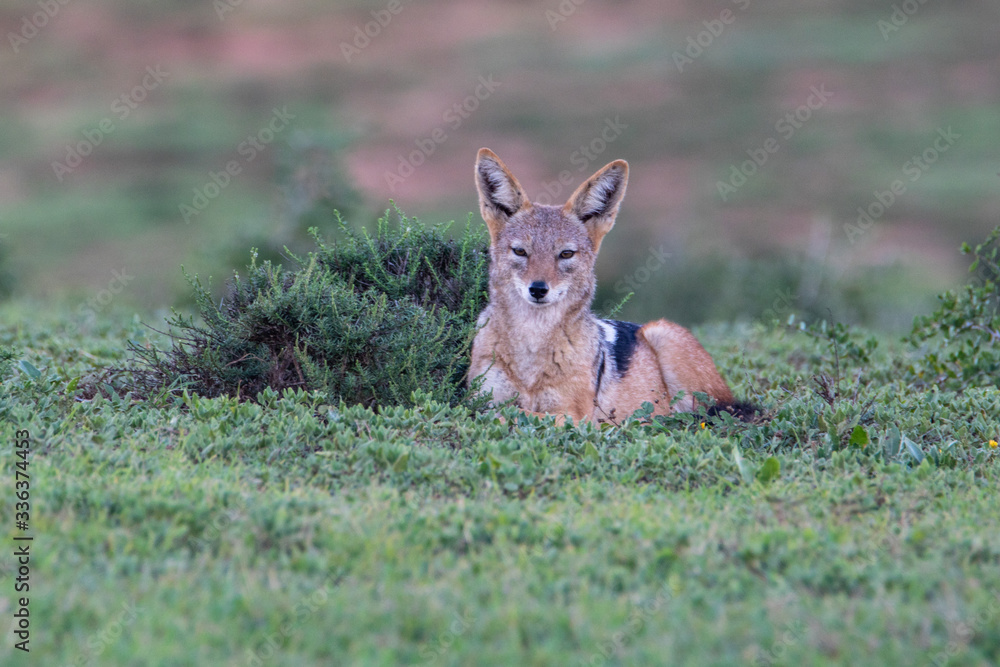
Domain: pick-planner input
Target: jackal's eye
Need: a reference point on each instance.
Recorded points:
(520, 252)
(566, 254)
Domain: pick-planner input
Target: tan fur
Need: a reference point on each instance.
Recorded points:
(549, 353)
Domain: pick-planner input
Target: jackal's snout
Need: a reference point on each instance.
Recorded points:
(538, 290)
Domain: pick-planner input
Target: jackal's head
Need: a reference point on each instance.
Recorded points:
(543, 256)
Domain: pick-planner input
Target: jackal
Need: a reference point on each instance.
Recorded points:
(539, 342)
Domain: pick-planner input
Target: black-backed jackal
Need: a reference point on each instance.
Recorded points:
(539, 341)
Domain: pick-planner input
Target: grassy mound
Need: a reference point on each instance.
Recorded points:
(367, 320)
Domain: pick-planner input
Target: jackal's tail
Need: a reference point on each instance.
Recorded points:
(684, 364)
(742, 410)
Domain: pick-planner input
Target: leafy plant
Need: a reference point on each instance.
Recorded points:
(960, 341)
(370, 319)
(7, 356)
(848, 353)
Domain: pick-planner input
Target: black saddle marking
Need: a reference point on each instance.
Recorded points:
(624, 346)
(600, 372)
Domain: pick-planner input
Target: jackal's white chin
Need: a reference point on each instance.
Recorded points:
(551, 299)
(547, 302)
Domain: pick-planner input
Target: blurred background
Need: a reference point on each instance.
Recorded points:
(822, 158)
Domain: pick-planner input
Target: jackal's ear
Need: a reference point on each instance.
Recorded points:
(597, 199)
(500, 195)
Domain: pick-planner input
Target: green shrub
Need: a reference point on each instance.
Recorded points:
(368, 319)
(960, 342)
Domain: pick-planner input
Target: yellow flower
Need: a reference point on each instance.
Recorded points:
(993, 444)
(703, 426)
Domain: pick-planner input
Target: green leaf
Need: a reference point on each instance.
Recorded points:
(742, 466)
(823, 426)
(30, 370)
(72, 384)
(913, 449)
(893, 443)
(590, 452)
(769, 471)
(859, 436)
(401, 463)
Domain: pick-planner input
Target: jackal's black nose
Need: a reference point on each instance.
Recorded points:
(538, 290)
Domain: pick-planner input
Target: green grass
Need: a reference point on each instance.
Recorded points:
(294, 532)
